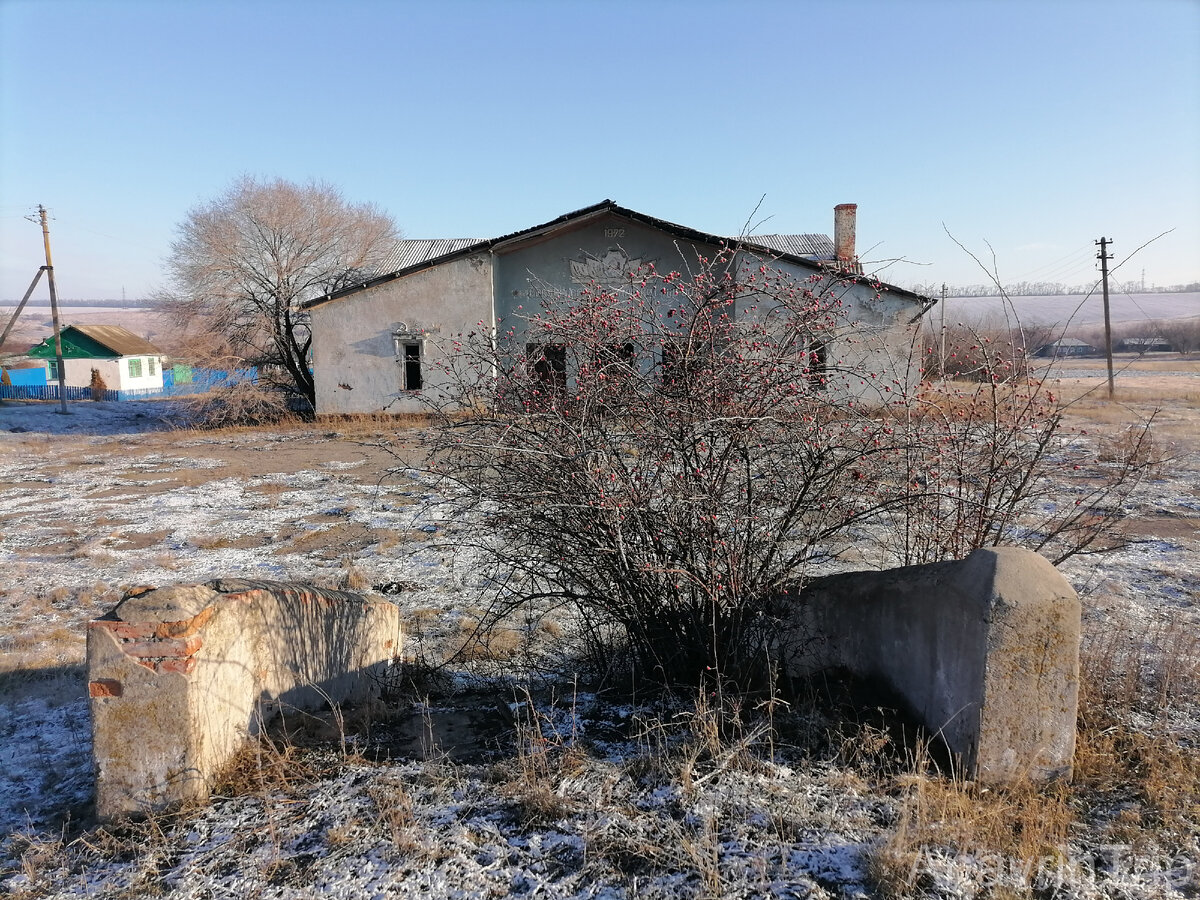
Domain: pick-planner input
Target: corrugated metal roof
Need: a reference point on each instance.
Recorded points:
(414, 252)
(816, 246)
(119, 340)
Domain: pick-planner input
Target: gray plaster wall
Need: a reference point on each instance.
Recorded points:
(354, 358)
(538, 268)
(985, 651)
(873, 354)
(875, 334)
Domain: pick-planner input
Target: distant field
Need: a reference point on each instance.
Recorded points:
(1075, 309)
(35, 323)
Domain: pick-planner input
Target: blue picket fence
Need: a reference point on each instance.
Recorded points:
(49, 392)
(193, 381)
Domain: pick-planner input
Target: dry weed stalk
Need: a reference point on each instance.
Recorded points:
(263, 766)
(394, 810)
(352, 578)
(1129, 753)
(1023, 822)
(547, 762)
(1136, 782)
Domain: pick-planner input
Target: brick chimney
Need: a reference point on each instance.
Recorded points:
(843, 231)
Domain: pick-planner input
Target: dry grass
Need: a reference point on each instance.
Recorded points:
(46, 661)
(272, 763)
(394, 812)
(376, 423)
(494, 643)
(165, 560)
(1024, 822)
(240, 404)
(352, 578)
(546, 762)
(271, 488)
(333, 542)
(1124, 362)
(1130, 758)
(227, 542)
(1136, 781)
(375, 426)
(1174, 401)
(1089, 400)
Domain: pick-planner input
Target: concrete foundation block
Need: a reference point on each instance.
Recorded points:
(180, 677)
(984, 650)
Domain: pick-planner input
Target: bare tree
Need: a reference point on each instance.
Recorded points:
(1183, 334)
(244, 262)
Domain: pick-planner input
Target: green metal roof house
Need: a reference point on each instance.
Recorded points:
(125, 361)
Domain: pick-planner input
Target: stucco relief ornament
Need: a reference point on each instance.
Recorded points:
(613, 269)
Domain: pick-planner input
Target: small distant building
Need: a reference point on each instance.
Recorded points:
(1145, 345)
(1066, 347)
(125, 361)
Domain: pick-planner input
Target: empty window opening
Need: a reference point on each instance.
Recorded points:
(549, 364)
(412, 366)
(673, 367)
(616, 355)
(623, 352)
(818, 366)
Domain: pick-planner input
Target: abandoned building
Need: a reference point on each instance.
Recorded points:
(376, 345)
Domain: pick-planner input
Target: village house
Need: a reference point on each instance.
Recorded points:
(376, 345)
(1144, 345)
(1066, 347)
(125, 361)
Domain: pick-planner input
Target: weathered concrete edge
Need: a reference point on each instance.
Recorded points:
(985, 651)
(178, 678)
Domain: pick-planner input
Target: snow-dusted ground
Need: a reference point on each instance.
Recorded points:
(105, 498)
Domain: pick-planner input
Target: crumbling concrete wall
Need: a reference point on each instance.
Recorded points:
(985, 650)
(180, 677)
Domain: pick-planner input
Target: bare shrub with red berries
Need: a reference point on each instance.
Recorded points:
(670, 456)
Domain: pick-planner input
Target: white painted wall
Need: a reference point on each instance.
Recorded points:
(354, 358)
(145, 381)
(115, 373)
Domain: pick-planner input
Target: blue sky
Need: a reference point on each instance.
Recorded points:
(1036, 127)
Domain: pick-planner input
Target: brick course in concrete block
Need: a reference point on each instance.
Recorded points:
(179, 678)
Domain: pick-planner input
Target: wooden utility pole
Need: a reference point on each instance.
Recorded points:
(58, 357)
(942, 361)
(21, 306)
(1104, 256)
